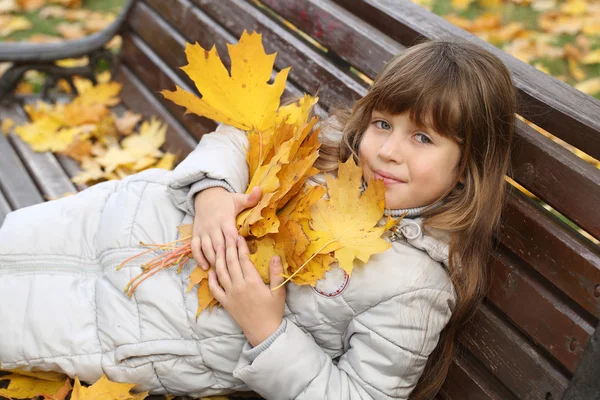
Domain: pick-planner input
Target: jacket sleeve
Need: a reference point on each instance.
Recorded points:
(218, 160)
(387, 348)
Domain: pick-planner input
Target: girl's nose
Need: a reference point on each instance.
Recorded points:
(392, 149)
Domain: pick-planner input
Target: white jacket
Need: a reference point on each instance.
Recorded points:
(62, 306)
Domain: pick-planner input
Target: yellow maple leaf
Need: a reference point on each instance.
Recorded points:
(167, 161)
(127, 122)
(23, 387)
(590, 86)
(151, 137)
(104, 389)
(10, 24)
(461, 4)
(205, 298)
(244, 98)
(7, 125)
(106, 94)
(346, 223)
(592, 57)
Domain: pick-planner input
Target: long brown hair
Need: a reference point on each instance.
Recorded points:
(464, 92)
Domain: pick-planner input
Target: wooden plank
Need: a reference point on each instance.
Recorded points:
(140, 99)
(48, 174)
(4, 208)
(544, 100)
(539, 312)
(539, 164)
(16, 184)
(519, 365)
(468, 380)
(563, 257)
(585, 384)
(153, 26)
(156, 75)
(348, 36)
(311, 70)
(554, 174)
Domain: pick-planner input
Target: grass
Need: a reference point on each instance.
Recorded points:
(48, 26)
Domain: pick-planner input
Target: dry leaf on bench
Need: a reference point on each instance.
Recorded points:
(23, 386)
(104, 389)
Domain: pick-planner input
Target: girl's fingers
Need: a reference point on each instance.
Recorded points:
(248, 268)
(218, 242)
(222, 272)
(207, 249)
(233, 262)
(195, 245)
(215, 289)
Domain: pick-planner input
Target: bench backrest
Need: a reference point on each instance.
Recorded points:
(529, 337)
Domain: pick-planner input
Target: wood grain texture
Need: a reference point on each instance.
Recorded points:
(511, 358)
(469, 380)
(16, 184)
(50, 178)
(341, 32)
(568, 261)
(4, 208)
(543, 314)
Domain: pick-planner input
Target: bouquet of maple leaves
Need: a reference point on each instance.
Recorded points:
(293, 219)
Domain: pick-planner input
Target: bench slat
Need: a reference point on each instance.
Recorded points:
(570, 263)
(15, 182)
(4, 208)
(539, 164)
(43, 167)
(531, 305)
(467, 379)
(563, 180)
(356, 42)
(523, 370)
(555, 106)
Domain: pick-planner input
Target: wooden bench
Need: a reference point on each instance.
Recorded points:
(536, 335)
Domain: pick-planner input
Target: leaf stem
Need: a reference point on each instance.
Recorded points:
(303, 265)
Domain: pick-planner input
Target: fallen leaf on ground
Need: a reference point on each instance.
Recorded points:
(104, 389)
(25, 387)
(70, 31)
(127, 122)
(10, 24)
(7, 125)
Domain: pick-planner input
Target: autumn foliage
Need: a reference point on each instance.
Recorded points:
(292, 219)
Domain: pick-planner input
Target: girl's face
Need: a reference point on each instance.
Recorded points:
(416, 164)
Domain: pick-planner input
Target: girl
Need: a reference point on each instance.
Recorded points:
(436, 126)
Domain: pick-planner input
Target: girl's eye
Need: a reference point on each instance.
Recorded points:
(423, 138)
(382, 125)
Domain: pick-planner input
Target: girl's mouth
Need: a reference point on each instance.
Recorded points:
(387, 180)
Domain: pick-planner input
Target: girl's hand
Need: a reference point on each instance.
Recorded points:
(252, 305)
(216, 210)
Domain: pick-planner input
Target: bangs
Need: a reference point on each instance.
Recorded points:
(432, 102)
